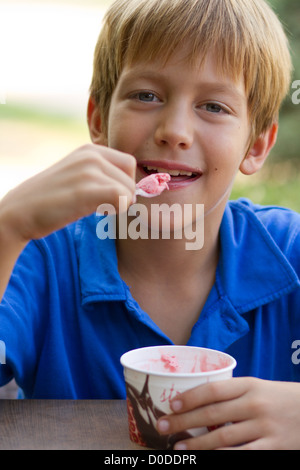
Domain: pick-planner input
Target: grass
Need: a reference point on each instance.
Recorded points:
(277, 184)
(271, 193)
(18, 113)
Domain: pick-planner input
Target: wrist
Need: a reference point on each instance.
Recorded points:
(10, 237)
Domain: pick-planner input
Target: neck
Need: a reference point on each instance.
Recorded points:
(155, 260)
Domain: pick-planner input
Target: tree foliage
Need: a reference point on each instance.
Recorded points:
(288, 145)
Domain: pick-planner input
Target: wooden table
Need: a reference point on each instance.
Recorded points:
(64, 424)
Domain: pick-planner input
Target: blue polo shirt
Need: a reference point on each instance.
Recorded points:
(67, 316)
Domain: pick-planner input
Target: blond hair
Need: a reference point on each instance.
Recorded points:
(246, 36)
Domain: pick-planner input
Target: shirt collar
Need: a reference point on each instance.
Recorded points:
(252, 270)
(98, 265)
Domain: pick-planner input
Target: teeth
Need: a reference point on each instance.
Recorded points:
(173, 172)
(151, 168)
(170, 172)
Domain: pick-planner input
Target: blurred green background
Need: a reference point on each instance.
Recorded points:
(279, 181)
(40, 125)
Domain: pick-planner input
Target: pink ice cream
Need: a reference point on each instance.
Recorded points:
(170, 362)
(199, 364)
(154, 184)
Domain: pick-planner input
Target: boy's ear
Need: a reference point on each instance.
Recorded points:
(259, 151)
(94, 123)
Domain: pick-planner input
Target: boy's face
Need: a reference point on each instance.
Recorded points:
(185, 120)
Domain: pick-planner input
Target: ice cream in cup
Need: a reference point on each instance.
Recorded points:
(155, 375)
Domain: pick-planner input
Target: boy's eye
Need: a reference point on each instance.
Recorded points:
(213, 108)
(146, 96)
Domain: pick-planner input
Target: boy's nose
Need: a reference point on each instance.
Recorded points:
(175, 128)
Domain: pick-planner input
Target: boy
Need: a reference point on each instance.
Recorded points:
(191, 88)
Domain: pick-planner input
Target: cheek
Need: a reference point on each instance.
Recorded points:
(117, 134)
(124, 131)
(226, 150)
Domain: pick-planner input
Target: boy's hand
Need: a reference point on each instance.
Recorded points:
(70, 189)
(265, 415)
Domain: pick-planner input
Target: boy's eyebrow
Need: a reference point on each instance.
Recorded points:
(226, 88)
(140, 74)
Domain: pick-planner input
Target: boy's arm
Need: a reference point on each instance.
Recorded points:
(70, 189)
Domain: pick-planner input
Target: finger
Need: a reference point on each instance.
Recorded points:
(121, 160)
(258, 444)
(212, 392)
(114, 194)
(90, 173)
(118, 165)
(232, 436)
(113, 172)
(212, 415)
(94, 160)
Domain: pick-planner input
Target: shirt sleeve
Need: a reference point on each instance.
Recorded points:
(23, 312)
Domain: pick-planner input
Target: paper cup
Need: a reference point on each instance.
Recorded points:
(155, 375)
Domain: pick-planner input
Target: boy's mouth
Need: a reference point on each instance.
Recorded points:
(181, 175)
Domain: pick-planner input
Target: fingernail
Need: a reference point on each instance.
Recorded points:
(180, 446)
(176, 405)
(163, 425)
(133, 199)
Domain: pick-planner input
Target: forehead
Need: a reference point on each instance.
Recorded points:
(199, 71)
